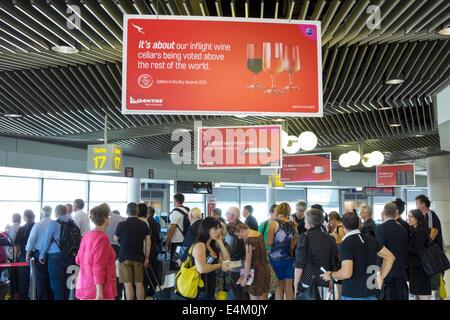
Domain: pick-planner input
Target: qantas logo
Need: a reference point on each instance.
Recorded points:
(152, 101)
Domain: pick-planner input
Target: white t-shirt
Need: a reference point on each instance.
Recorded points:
(177, 217)
(82, 221)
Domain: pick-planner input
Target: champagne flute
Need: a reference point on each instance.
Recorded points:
(291, 64)
(254, 63)
(273, 63)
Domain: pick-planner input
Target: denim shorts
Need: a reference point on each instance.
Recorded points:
(284, 269)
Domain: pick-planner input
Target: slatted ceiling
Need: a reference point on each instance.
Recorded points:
(79, 88)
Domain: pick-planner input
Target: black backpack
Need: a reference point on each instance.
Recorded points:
(186, 222)
(70, 238)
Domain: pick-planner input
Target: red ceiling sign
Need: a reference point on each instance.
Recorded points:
(396, 175)
(239, 147)
(221, 66)
(307, 168)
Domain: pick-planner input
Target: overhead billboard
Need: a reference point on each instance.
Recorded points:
(396, 175)
(239, 147)
(221, 66)
(307, 168)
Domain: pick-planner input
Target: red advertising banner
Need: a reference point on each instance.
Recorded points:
(239, 147)
(307, 168)
(211, 206)
(129, 172)
(221, 66)
(396, 175)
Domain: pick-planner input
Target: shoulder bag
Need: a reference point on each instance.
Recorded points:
(433, 259)
(312, 292)
(188, 279)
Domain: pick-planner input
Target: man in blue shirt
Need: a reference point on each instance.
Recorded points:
(58, 262)
(43, 290)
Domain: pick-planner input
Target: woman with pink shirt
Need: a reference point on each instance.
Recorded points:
(97, 260)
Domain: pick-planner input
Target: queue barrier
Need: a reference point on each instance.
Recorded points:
(30, 264)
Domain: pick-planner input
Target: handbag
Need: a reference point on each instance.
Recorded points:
(433, 259)
(273, 281)
(188, 279)
(312, 292)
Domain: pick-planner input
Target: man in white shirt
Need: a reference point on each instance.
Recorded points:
(176, 232)
(80, 218)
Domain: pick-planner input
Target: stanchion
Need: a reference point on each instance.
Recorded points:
(33, 278)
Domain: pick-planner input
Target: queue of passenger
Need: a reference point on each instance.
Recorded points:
(289, 256)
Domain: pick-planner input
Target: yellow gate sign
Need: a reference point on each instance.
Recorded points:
(275, 181)
(104, 158)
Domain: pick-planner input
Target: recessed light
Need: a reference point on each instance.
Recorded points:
(445, 31)
(241, 115)
(65, 49)
(12, 115)
(395, 81)
(419, 135)
(279, 120)
(395, 125)
(171, 153)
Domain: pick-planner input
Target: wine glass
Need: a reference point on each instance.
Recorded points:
(291, 64)
(254, 63)
(273, 63)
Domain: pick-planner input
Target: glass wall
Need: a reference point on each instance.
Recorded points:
(56, 191)
(17, 195)
(20, 193)
(328, 198)
(255, 197)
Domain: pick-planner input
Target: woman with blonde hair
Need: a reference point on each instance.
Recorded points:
(96, 258)
(282, 239)
(256, 259)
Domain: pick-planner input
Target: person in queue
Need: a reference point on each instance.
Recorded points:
(398, 214)
(131, 235)
(324, 227)
(114, 219)
(323, 249)
(263, 227)
(357, 254)
(217, 213)
(338, 231)
(249, 218)
(155, 237)
(237, 253)
(69, 209)
(58, 261)
(282, 239)
(80, 217)
(369, 226)
(423, 203)
(419, 281)
(394, 237)
(209, 255)
(299, 216)
(96, 258)
(195, 218)
(43, 289)
(20, 253)
(176, 232)
(256, 260)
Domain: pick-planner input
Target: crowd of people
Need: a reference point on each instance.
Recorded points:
(292, 255)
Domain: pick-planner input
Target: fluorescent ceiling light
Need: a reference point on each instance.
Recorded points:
(445, 31)
(241, 115)
(395, 81)
(65, 49)
(384, 108)
(395, 125)
(12, 115)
